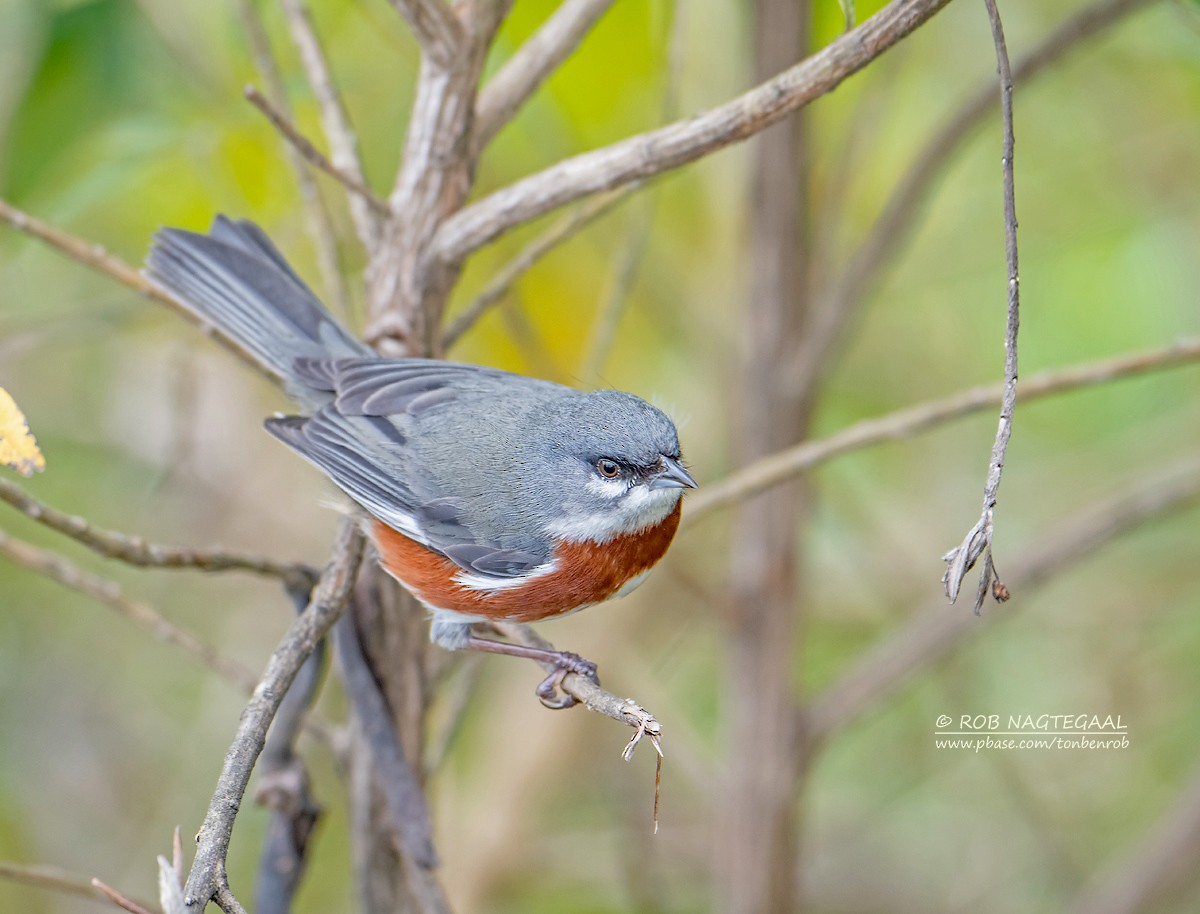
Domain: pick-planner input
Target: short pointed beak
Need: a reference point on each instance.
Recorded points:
(672, 476)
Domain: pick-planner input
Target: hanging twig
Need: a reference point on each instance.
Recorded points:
(978, 540)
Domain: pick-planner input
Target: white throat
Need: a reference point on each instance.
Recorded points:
(631, 512)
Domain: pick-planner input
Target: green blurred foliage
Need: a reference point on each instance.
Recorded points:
(118, 117)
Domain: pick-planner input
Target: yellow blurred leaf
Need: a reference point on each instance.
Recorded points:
(18, 449)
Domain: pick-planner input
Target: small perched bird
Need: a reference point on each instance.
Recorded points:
(491, 496)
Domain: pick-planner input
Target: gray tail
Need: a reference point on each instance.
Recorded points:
(236, 281)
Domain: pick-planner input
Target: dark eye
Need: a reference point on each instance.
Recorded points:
(608, 468)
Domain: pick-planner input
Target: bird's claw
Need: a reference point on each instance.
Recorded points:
(550, 692)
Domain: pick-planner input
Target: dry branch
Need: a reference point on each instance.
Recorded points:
(438, 32)
(978, 541)
(310, 153)
(877, 673)
(665, 148)
(52, 878)
(541, 54)
(904, 423)
(98, 259)
(207, 880)
(343, 142)
(320, 224)
(53, 566)
(529, 255)
(134, 550)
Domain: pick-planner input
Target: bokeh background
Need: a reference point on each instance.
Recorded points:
(118, 117)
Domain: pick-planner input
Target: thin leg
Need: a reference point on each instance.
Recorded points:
(564, 662)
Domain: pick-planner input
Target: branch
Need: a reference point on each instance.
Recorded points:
(904, 423)
(320, 225)
(309, 153)
(103, 590)
(898, 220)
(134, 550)
(656, 151)
(539, 247)
(98, 259)
(1166, 853)
(207, 880)
(343, 142)
(542, 53)
(880, 671)
(978, 540)
(51, 877)
(623, 710)
(435, 26)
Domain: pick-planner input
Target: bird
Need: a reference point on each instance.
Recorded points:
(488, 495)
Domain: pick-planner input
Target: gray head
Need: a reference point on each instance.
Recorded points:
(616, 463)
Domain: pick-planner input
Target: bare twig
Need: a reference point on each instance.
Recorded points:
(1165, 855)
(121, 901)
(904, 423)
(98, 259)
(207, 880)
(978, 540)
(837, 305)
(343, 143)
(134, 550)
(656, 151)
(284, 786)
(53, 878)
(507, 275)
(438, 32)
(310, 153)
(624, 710)
(544, 51)
(108, 592)
(320, 224)
(878, 672)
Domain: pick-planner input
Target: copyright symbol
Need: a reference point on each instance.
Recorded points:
(944, 720)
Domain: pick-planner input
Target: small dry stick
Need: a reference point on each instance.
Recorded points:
(343, 142)
(538, 248)
(100, 260)
(133, 550)
(120, 900)
(52, 878)
(978, 540)
(207, 880)
(320, 223)
(310, 153)
(904, 423)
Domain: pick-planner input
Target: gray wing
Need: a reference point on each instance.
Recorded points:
(361, 441)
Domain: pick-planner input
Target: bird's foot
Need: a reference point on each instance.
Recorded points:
(550, 692)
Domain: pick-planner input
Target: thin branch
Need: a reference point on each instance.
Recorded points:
(904, 423)
(438, 32)
(98, 259)
(1165, 854)
(310, 153)
(121, 901)
(133, 550)
(320, 225)
(51, 565)
(541, 54)
(207, 880)
(880, 671)
(53, 878)
(656, 151)
(623, 710)
(284, 787)
(539, 247)
(343, 142)
(978, 540)
(898, 220)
